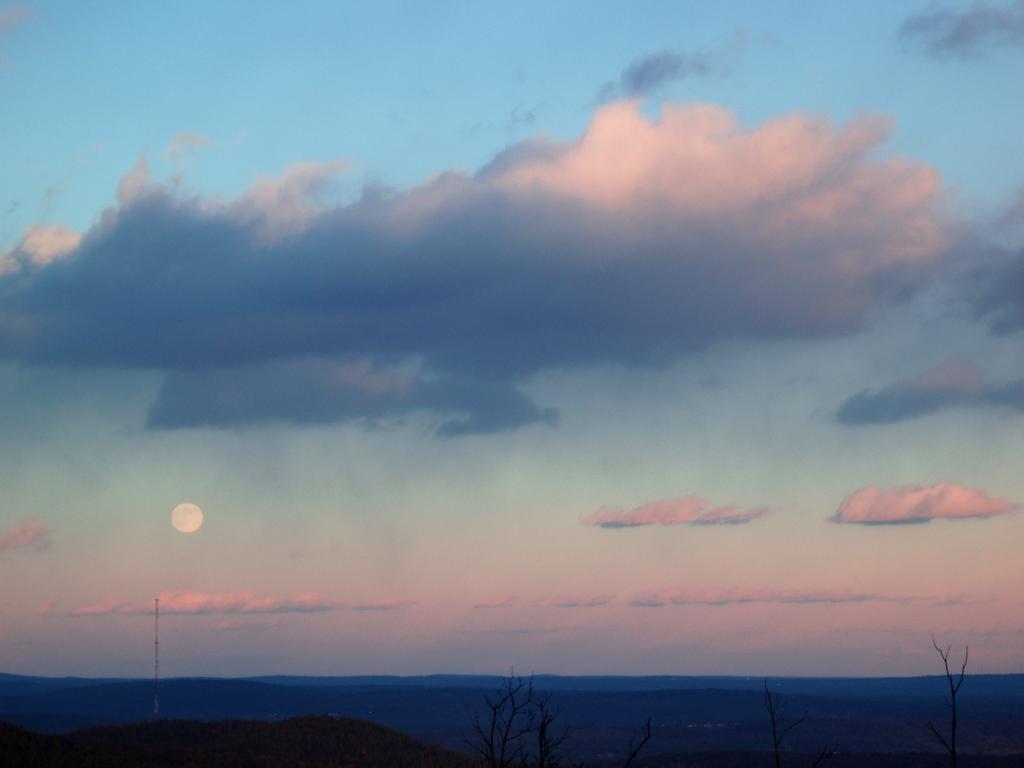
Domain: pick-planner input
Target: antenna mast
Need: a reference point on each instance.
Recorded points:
(156, 657)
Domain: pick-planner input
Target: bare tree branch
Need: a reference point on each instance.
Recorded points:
(634, 751)
(548, 743)
(954, 688)
(507, 719)
(775, 705)
(826, 753)
(516, 711)
(939, 737)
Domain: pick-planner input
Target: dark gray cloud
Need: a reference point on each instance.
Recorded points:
(324, 392)
(648, 73)
(998, 294)
(448, 297)
(947, 386)
(966, 31)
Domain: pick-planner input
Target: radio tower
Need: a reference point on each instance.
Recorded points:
(156, 657)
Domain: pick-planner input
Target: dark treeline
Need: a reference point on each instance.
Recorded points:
(319, 742)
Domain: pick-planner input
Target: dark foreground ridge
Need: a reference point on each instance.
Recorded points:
(302, 742)
(318, 742)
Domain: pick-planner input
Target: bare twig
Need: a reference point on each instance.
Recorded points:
(825, 755)
(508, 718)
(634, 751)
(954, 688)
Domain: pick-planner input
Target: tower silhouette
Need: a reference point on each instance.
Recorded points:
(156, 657)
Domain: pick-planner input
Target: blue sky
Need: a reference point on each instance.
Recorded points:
(585, 337)
(402, 92)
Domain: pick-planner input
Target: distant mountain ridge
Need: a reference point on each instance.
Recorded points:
(602, 713)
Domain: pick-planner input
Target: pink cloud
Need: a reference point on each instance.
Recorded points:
(211, 604)
(240, 602)
(393, 604)
(497, 602)
(46, 606)
(39, 246)
(721, 597)
(184, 143)
(105, 608)
(793, 171)
(687, 510)
(232, 625)
(288, 204)
(919, 504)
(952, 376)
(574, 601)
(28, 534)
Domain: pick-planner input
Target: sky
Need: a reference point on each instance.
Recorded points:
(579, 338)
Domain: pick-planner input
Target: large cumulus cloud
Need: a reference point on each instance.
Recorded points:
(643, 240)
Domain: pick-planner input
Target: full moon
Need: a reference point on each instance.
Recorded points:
(187, 518)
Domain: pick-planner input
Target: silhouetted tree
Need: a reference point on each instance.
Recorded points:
(774, 703)
(548, 740)
(507, 720)
(781, 727)
(515, 713)
(954, 688)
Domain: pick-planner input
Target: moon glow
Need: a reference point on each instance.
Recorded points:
(186, 518)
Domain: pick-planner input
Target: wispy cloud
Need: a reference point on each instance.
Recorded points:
(687, 510)
(967, 30)
(649, 73)
(948, 385)
(513, 631)
(497, 602)
(46, 607)
(231, 625)
(919, 504)
(391, 604)
(722, 597)
(12, 16)
(108, 608)
(574, 601)
(211, 604)
(645, 75)
(28, 534)
(183, 144)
